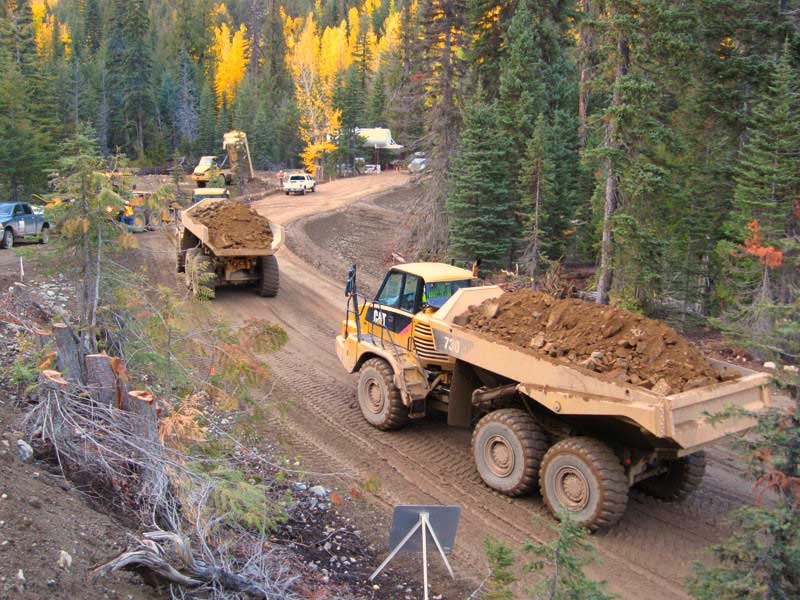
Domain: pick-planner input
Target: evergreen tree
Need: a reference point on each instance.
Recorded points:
(761, 559)
(562, 562)
(501, 560)
(376, 113)
(480, 205)
(207, 133)
(763, 248)
(536, 183)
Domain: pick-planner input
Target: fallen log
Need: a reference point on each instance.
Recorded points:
(151, 556)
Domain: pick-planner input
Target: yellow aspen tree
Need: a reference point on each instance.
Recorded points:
(231, 52)
(354, 28)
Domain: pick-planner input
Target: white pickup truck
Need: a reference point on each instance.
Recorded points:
(299, 183)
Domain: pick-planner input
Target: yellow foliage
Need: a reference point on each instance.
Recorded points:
(354, 24)
(44, 24)
(231, 52)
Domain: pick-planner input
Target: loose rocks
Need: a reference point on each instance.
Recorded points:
(232, 225)
(618, 345)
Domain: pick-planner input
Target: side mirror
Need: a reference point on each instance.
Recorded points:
(350, 287)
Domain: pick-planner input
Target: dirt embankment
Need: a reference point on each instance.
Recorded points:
(625, 347)
(233, 225)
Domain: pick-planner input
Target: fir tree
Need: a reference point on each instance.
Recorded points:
(501, 560)
(763, 251)
(376, 112)
(761, 559)
(480, 205)
(536, 183)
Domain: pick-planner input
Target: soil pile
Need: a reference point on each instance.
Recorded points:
(234, 225)
(621, 345)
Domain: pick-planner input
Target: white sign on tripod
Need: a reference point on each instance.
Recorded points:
(414, 527)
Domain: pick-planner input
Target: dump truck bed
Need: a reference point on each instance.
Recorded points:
(572, 390)
(202, 233)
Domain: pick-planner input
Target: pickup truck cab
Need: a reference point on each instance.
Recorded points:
(20, 222)
(299, 183)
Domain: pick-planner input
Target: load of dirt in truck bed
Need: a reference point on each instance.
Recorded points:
(234, 225)
(620, 345)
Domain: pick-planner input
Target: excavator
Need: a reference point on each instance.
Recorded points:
(236, 148)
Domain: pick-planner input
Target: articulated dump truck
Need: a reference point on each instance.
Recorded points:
(581, 438)
(225, 242)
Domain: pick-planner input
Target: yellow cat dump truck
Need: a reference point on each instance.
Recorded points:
(236, 149)
(582, 440)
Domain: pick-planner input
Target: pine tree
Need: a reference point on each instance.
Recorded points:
(376, 113)
(763, 250)
(562, 562)
(480, 204)
(536, 183)
(501, 560)
(761, 559)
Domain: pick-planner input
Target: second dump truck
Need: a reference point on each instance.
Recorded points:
(207, 264)
(583, 441)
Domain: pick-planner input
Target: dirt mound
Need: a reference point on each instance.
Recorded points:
(623, 346)
(233, 225)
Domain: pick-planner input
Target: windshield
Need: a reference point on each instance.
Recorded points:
(5, 209)
(436, 294)
(206, 161)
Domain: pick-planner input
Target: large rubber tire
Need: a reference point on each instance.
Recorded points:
(270, 280)
(683, 476)
(188, 266)
(180, 260)
(201, 184)
(508, 446)
(139, 222)
(204, 279)
(44, 236)
(8, 239)
(378, 396)
(583, 476)
(154, 220)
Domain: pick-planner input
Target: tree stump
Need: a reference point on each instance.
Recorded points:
(70, 357)
(101, 379)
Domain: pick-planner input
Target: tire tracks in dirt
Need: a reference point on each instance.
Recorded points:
(647, 555)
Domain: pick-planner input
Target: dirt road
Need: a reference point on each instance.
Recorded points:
(647, 555)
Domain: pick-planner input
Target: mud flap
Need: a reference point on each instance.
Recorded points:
(459, 406)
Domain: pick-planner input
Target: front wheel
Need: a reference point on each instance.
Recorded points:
(8, 239)
(683, 476)
(154, 220)
(44, 236)
(583, 478)
(508, 446)
(378, 396)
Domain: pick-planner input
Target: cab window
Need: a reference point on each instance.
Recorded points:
(408, 302)
(391, 290)
(18, 210)
(437, 293)
(27, 209)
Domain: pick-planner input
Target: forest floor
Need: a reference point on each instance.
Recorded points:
(364, 220)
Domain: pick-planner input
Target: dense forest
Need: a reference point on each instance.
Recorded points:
(657, 139)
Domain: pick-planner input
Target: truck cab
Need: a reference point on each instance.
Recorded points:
(19, 221)
(208, 169)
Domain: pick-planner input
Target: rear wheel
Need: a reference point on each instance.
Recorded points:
(303, 192)
(378, 396)
(44, 236)
(683, 476)
(180, 260)
(270, 277)
(154, 220)
(583, 477)
(508, 446)
(204, 279)
(8, 239)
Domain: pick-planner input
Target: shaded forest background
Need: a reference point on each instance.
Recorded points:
(657, 139)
